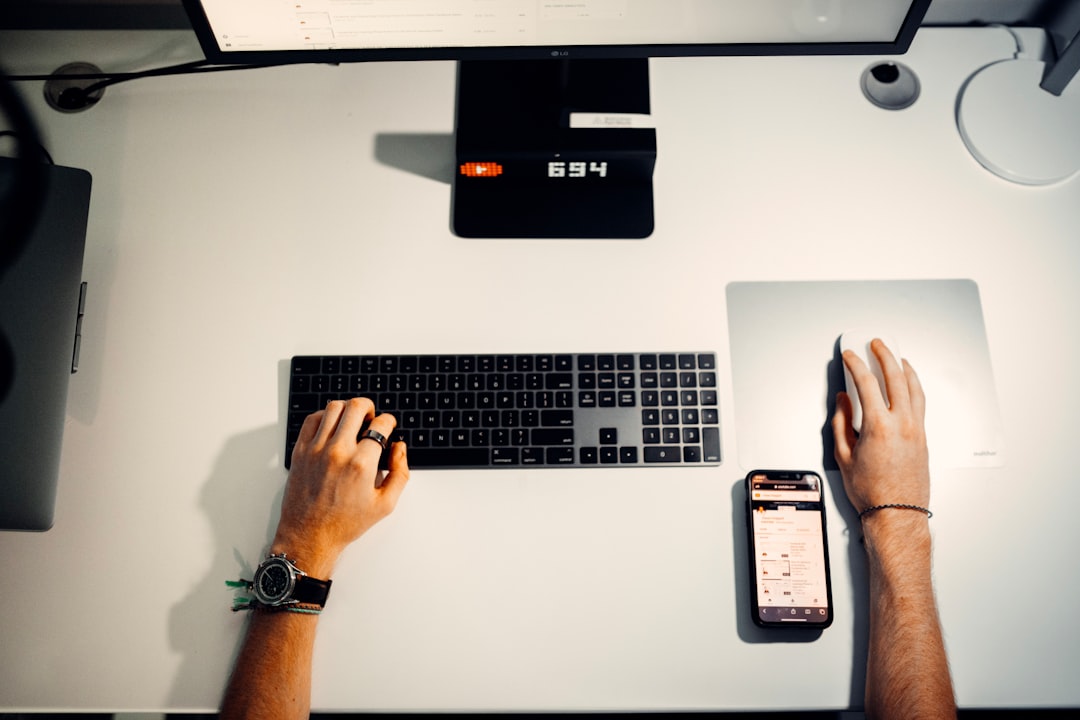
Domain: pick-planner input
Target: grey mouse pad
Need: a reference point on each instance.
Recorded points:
(786, 370)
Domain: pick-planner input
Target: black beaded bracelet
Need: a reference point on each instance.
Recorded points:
(901, 506)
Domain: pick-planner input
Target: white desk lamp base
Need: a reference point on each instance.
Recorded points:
(1016, 129)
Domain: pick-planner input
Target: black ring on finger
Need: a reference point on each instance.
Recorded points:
(376, 436)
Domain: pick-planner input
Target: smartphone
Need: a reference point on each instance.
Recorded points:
(789, 556)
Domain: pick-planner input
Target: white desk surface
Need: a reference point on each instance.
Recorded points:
(241, 218)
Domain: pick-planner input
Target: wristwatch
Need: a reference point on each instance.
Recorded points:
(279, 583)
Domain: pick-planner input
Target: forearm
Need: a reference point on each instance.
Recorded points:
(272, 677)
(907, 671)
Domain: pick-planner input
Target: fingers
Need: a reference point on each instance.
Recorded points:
(357, 411)
(340, 423)
(310, 427)
(397, 475)
(369, 449)
(896, 385)
(330, 416)
(843, 430)
(915, 389)
(865, 383)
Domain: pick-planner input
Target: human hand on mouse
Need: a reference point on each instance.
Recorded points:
(888, 461)
(334, 493)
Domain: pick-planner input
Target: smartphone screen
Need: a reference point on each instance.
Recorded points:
(789, 559)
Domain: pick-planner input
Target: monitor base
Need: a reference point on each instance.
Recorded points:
(1017, 130)
(523, 170)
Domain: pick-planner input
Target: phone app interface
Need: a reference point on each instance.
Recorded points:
(789, 551)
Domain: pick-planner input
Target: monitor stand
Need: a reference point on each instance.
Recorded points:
(1015, 128)
(523, 170)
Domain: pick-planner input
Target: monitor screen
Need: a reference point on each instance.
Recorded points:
(343, 30)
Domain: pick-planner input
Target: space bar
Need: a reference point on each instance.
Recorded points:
(448, 457)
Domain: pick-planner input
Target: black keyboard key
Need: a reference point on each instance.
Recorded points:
(505, 456)
(532, 456)
(559, 381)
(306, 365)
(553, 436)
(448, 457)
(559, 456)
(710, 444)
(556, 418)
(304, 402)
(663, 454)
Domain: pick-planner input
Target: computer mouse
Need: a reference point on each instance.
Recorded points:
(858, 341)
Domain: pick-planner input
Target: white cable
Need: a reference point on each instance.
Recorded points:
(1021, 49)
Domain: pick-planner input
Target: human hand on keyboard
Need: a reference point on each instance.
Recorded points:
(335, 491)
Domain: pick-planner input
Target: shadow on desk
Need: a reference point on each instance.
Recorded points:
(244, 491)
(428, 155)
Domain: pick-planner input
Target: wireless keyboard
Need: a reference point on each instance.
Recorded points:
(498, 411)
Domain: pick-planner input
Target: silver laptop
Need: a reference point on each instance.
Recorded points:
(39, 310)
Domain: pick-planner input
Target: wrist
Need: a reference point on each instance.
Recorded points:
(897, 537)
(307, 556)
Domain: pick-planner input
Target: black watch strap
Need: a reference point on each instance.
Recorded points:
(311, 591)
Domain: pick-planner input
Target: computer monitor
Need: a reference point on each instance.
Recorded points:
(558, 142)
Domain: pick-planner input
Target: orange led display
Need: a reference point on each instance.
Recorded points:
(481, 169)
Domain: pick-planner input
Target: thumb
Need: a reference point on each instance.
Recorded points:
(843, 432)
(397, 475)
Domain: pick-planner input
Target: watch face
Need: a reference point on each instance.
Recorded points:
(274, 582)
